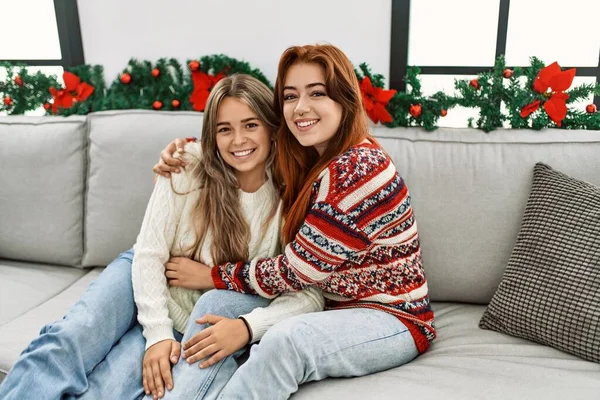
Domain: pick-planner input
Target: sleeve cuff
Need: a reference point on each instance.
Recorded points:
(215, 273)
(158, 334)
(259, 326)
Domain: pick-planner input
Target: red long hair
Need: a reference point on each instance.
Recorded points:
(300, 166)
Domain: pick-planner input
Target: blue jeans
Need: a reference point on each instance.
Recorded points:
(309, 347)
(312, 347)
(191, 382)
(94, 352)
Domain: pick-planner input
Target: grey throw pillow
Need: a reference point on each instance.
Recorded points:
(550, 292)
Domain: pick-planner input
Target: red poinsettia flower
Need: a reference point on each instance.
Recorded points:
(74, 91)
(374, 100)
(203, 83)
(530, 108)
(551, 77)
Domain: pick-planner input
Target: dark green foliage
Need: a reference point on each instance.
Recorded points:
(28, 97)
(499, 99)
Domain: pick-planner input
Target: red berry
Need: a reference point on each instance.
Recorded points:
(415, 110)
(125, 78)
(591, 108)
(47, 106)
(194, 65)
(444, 112)
(175, 103)
(157, 105)
(474, 83)
(155, 72)
(18, 80)
(507, 73)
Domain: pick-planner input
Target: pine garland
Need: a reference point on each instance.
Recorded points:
(500, 95)
(22, 91)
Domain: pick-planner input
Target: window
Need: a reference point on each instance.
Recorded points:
(458, 39)
(47, 36)
(53, 36)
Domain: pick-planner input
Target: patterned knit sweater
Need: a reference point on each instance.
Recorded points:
(167, 231)
(358, 243)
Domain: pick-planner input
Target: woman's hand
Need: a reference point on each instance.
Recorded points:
(186, 273)
(156, 370)
(222, 339)
(167, 162)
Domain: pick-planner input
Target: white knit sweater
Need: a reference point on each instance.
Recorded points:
(167, 231)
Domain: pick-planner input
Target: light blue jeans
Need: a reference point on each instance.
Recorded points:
(312, 347)
(309, 347)
(94, 352)
(191, 382)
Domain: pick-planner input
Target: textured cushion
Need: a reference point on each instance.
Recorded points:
(550, 292)
(42, 171)
(24, 286)
(124, 146)
(469, 190)
(466, 363)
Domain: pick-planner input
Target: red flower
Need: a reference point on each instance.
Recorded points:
(529, 108)
(551, 77)
(203, 83)
(74, 91)
(374, 100)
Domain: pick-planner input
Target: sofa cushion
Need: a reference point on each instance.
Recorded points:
(466, 362)
(16, 334)
(124, 146)
(550, 292)
(469, 190)
(24, 286)
(42, 160)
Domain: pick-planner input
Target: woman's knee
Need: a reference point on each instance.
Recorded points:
(227, 303)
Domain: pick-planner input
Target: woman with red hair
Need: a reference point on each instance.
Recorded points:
(349, 230)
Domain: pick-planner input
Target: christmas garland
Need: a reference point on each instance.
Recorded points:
(533, 97)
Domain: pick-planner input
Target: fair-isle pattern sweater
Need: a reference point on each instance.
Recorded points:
(358, 243)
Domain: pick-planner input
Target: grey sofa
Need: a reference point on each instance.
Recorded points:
(73, 192)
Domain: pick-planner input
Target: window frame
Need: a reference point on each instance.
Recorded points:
(399, 49)
(69, 35)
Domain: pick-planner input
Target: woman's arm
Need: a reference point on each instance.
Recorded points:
(346, 219)
(227, 335)
(152, 252)
(282, 307)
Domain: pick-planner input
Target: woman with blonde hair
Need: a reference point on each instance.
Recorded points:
(224, 206)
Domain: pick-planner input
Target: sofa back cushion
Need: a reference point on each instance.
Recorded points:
(469, 190)
(123, 148)
(42, 171)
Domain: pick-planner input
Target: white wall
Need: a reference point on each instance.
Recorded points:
(256, 31)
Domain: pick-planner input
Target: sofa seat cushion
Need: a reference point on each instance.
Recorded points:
(24, 286)
(32, 296)
(466, 362)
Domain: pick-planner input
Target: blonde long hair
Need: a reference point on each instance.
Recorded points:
(218, 208)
